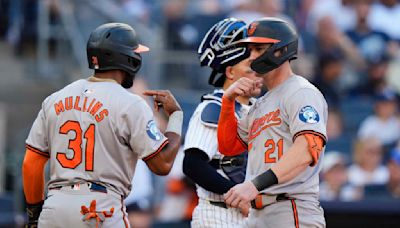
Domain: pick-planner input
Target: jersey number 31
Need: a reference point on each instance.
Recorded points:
(76, 146)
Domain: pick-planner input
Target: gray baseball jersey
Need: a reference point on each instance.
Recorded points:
(95, 130)
(293, 108)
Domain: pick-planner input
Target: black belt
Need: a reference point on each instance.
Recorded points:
(92, 186)
(219, 204)
(233, 161)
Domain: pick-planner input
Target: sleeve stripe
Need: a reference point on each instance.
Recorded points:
(310, 132)
(242, 141)
(33, 149)
(157, 151)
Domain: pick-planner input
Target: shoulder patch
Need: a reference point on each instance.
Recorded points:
(210, 114)
(308, 114)
(152, 130)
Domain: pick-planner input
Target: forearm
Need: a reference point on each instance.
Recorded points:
(197, 168)
(161, 163)
(293, 162)
(33, 176)
(228, 142)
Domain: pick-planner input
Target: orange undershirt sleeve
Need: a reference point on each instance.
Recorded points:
(315, 146)
(229, 143)
(33, 176)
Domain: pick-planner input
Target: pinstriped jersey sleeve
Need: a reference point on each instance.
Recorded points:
(141, 131)
(201, 136)
(37, 140)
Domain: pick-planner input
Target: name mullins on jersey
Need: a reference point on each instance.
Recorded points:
(75, 103)
(260, 124)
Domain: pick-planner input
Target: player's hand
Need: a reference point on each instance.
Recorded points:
(244, 87)
(164, 99)
(244, 209)
(241, 195)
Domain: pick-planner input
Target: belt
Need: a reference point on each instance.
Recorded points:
(218, 204)
(263, 200)
(233, 161)
(92, 186)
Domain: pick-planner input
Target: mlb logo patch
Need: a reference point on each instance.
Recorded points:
(152, 130)
(308, 114)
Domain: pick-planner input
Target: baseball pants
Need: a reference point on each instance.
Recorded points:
(63, 208)
(206, 215)
(287, 214)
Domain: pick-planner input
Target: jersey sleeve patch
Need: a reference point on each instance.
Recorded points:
(152, 130)
(308, 114)
(210, 114)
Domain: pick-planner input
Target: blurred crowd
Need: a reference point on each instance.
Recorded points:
(350, 49)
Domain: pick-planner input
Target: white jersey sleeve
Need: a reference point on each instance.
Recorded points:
(139, 127)
(37, 140)
(200, 135)
(307, 111)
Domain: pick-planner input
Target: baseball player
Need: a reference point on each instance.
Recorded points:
(213, 173)
(93, 131)
(284, 132)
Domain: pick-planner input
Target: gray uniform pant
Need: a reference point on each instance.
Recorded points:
(288, 214)
(62, 208)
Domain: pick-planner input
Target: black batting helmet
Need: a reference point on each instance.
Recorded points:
(114, 46)
(278, 32)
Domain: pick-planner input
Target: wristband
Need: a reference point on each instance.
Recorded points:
(175, 123)
(265, 180)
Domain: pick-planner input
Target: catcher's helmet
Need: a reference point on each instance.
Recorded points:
(217, 49)
(114, 46)
(278, 32)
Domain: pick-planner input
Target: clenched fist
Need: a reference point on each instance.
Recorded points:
(244, 87)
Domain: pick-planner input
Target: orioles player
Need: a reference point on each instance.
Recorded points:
(213, 173)
(93, 131)
(284, 132)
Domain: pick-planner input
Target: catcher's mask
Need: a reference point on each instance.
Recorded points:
(218, 48)
(277, 32)
(114, 46)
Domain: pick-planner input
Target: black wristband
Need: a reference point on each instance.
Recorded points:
(265, 180)
(33, 212)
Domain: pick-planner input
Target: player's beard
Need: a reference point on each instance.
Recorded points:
(127, 82)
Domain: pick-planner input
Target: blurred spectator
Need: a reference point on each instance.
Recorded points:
(339, 10)
(181, 197)
(334, 127)
(329, 69)
(394, 173)
(383, 124)
(138, 10)
(367, 168)
(334, 179)
(370, 42)
(384, 15)
(176, 30)
(245, 10)
(376, 82)
(330, 39)
(274, 8)
(138, 203)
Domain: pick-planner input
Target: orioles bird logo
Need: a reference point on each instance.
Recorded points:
(252, 28)
(95, 62)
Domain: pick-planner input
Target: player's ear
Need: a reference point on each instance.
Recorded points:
(229, 72)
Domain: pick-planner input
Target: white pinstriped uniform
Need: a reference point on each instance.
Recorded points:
(203, 136)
